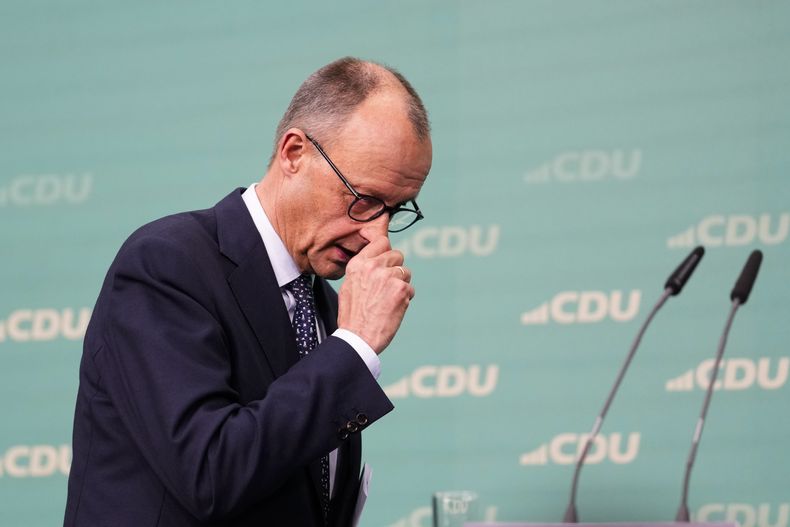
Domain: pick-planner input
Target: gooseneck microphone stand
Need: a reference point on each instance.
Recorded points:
(672, 287)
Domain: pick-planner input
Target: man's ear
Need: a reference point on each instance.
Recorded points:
(292, 152)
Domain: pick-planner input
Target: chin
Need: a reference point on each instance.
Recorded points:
(330, 270)
(334, 276)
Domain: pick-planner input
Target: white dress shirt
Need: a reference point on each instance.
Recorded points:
(286, 271)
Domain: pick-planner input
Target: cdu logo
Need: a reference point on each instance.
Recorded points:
(585, 307)
(588, 166)
(445, 381)
(46, 189)
(733, 231)
(734, 374)
(35, 461)
(37, 325)
(451, 242)
(744, 514)
(564, 449)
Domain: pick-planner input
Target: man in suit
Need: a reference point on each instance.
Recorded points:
(223, 382)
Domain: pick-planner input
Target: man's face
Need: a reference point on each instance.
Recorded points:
(379, 154)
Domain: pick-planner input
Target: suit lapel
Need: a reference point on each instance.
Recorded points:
(254, 285)
(260, 300)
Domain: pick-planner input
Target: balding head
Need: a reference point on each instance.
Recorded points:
(325, 101)
(369, 120)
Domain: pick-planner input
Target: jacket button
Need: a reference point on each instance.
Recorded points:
(362, 419)
(342, 434)
(352, 427)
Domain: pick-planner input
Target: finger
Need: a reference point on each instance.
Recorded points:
(390, 258)
(402, 273)
(375, 247)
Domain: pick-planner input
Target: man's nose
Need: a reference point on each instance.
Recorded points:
(376, 228)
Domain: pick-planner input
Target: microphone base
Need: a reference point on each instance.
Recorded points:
(570, 514)
(683, 514)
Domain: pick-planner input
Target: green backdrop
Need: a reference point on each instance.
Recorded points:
(581, 149)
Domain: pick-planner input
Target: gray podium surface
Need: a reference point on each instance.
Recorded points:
(618, 524)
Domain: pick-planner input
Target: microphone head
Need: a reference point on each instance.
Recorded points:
(743, 287)
(680, 276)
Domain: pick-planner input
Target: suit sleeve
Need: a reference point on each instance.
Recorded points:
(164, 364)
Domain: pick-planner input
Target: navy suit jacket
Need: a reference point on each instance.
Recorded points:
(193, 407)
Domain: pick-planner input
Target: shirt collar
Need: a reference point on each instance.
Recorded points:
(285, 269)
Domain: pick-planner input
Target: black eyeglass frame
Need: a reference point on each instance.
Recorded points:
(358, 196)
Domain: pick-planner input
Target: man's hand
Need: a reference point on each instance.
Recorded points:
(375, 294)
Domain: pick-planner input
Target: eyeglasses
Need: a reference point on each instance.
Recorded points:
(366, 208)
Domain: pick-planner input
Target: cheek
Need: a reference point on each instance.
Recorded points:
(330, 224)
(341, 228)
(336, 229)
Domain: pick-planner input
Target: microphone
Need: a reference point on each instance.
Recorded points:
(749, 274)
(680, 276)
(672, 287)
(739, 296)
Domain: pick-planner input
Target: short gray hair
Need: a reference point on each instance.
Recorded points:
(329, 96)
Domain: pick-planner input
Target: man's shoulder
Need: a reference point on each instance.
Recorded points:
(180, 251)
(190, 231)
(187, 231)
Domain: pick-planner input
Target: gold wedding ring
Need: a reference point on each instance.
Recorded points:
(402, 272)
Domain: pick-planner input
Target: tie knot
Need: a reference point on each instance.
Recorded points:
(302, 284)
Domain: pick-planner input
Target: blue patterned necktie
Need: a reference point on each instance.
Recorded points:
(306, 341)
